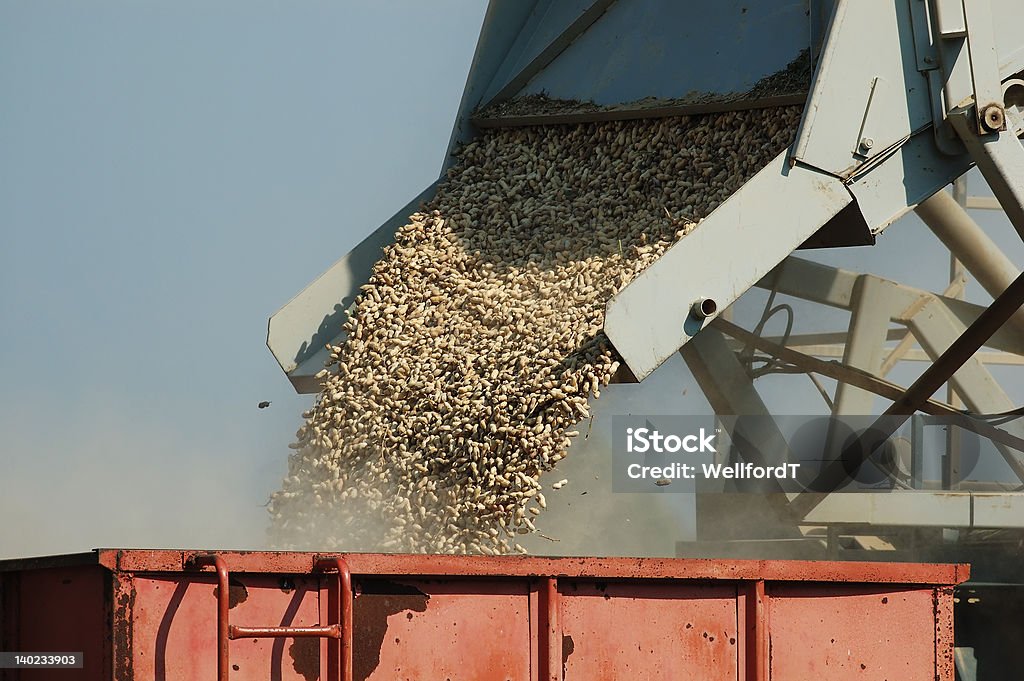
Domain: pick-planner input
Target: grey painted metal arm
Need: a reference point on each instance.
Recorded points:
(298, 332)
(1000, 157)
(866, 138)
(738, 244)
(730, 391)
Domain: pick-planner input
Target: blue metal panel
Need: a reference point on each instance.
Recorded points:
(548, 21)
(614, 52)
(669, 49)
(502, 24)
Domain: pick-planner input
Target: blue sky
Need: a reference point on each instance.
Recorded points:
(173, 172)
(170, 174)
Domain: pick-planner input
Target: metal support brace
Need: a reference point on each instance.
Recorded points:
(833, 287)
(865, 345)
(937, 329)
(971, 245)
(954, 357)
(731, 392)
(865, 350)
(899, 352)
(866, 381)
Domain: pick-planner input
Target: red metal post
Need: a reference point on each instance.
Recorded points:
(942, 597)
(223, 608)
(549, 648)
(339, 605)
(757, 632)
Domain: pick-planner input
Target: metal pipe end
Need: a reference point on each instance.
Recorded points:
(703, 308)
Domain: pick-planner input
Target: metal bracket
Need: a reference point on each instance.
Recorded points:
(981, 45)
(964, 35)
(1000, 157)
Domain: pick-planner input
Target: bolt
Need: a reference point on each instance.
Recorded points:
(993, 118)
(867, 143)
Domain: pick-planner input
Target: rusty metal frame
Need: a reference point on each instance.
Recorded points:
(409, 565)
(549, 580)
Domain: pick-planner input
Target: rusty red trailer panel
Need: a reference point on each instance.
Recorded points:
(161, 615)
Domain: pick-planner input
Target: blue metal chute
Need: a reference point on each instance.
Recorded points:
(901, 94)
(572, 61)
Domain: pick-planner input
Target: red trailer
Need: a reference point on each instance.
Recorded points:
(160, 615)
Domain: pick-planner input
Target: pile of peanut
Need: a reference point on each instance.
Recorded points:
(472, 353)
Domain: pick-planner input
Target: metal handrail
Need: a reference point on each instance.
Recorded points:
(339, 608)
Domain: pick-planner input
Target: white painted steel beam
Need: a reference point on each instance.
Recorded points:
(921, 509)
(906, 509)
(971, 245)
(998, 509)
(865, 345)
